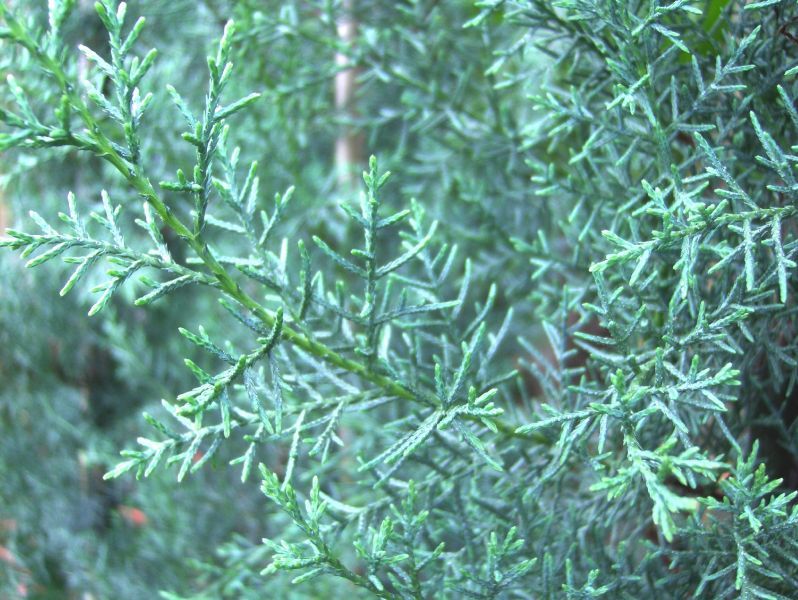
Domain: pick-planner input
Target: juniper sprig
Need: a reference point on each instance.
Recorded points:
(553, 355)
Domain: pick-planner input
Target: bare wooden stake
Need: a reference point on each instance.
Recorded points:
(349, 155)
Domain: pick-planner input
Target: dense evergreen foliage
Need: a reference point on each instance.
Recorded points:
(553, 354)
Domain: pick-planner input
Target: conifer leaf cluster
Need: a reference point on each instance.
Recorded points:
(554, 354)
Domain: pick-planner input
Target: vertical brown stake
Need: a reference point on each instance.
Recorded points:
(349, 145)
(349, 157)
(85, 8)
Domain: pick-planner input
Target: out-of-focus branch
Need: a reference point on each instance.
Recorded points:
(349, 154)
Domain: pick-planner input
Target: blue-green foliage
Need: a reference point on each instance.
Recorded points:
(553, 355)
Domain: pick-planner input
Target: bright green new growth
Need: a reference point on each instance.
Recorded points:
(566, 370)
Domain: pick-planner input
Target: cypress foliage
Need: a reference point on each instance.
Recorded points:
(552, 355)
